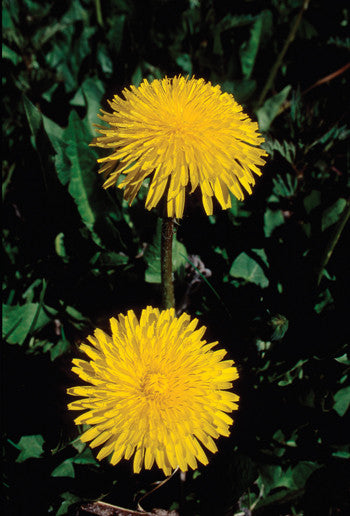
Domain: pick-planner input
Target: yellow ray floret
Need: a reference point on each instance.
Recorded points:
(157, 391)
(183, 133)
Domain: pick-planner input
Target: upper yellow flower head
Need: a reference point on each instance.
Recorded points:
(157, 390)
(180, 132)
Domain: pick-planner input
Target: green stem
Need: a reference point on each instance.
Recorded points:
(166, 261)
(99, 13)
(279, 60)
(333, 241)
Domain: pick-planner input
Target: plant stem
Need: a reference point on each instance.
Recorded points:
(333, 241)
(99, 13)
(278, 62)
(168, 297)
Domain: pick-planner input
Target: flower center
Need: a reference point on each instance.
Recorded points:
(154, 385)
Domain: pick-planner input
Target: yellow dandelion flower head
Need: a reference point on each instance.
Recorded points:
(181, 132)
(157, 391)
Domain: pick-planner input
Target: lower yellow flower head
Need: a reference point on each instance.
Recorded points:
(157, 391)
(181, 132)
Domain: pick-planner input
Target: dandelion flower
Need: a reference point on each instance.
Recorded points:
(157, 391)
(181, 133)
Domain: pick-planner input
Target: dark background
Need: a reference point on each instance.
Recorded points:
(74, 254)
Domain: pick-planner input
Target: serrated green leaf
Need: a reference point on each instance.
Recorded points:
(285, 186)
(248, 268)
(95, 207)
(284, 148)
(31, 446)
(268, 112)
(342, 401)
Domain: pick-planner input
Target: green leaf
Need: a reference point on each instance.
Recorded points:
(240, 89)
(312, 201)
(284, 148)
(230, 21)
(344, 359)
(18, 320)
(342, 401)
(137, 76)
(342, 451)
(55, 133)
(8, 53)
(294, 478)
(60, 247)
(116, 33)
(272, 220)
(325, 298)
(285, 186)
(65, 469)
(279, 324)
(301, 472)
(185, 63)
(76, 12)
(6, 179)
(109, 260)
(31, 446)
(86, 457)
(68, 500)
(250, 268)
(249, 49)
(82, 183)
(335, 133)
(90, 94)
(34, 116)
(268, 112)
(152, 256)
(104, 60)
(332, 214)
(59, 349)
(97, 210)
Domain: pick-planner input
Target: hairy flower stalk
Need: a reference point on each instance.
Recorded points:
(157, 391)
(166, 263)
(181, 133)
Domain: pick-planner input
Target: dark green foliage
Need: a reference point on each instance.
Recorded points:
(269, 277)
